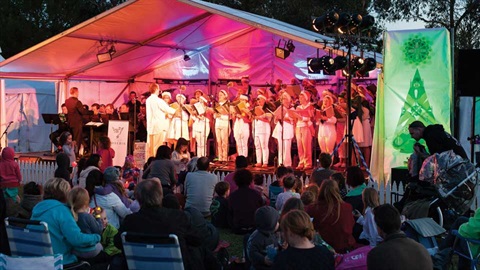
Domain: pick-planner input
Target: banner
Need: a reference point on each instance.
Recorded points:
(417, 85)
(118, 134)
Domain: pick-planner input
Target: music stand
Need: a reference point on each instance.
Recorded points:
(52, 119)
(92, 125)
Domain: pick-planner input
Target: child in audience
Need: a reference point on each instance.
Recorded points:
(276, 187)
(106, 152)
(258, 186)
(63, 167)
(131, 173)
(10, 176)
(370, 201)
(108, 233)
(288, 186)
(307, 198)
(219, 207)
(68, 147)
(180, 156)
(263, 238)
(78, 200)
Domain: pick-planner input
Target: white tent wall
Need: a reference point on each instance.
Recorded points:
(100, 92)
(25, 101)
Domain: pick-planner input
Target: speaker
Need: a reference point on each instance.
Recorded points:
(468, 73)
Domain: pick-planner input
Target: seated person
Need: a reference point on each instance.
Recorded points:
(397, 250)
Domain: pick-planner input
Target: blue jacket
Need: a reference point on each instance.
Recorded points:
(64, 231)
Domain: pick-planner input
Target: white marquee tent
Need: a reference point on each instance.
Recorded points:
(150, 38)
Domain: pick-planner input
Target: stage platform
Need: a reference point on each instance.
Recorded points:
(36, 156)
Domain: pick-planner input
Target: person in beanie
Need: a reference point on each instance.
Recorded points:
(63, 169)
(266, 220)
(112, 184)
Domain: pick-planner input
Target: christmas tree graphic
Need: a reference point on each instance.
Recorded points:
(416, 107)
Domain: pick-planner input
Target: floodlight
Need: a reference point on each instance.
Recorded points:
(367, 22)
(325, 22)
(104, 57)
(368, 65)
(340, 62)
(314, 65)
(281, 52)
(343, 23)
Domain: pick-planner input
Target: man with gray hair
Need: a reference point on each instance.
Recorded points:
(199, 187)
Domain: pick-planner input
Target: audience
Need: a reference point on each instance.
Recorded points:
(241, 162)
(106, 152)
(333, 218)
(111, 203)
(243, 203)
(307, 198)
(323, 171)
(64, 231)
(10, 176)
(369, 233)
(288, 185)
(113, 184)
(181, 156)
(32, 195)
(266, 221)
(397, 251)
(258, 185)
(301, 253)
(276, 187)
(91, 173)
(155, 219)
(356, 181)
(340, 179)
(162, 168)
(219, 207)
(131, 172)
(63, 167)
(199, 187)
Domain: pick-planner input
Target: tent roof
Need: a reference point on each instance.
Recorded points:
(147, 35)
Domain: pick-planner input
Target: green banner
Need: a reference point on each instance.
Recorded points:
(417, 85)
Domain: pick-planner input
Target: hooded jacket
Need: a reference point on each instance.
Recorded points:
(438, 141)
(63, 163)
(84, 174)
(266, 220)
(10, 175)
(64, 231)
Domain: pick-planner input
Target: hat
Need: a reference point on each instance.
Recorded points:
(243, 97)
(309, 82)
(202, 98)
(224, 92)
(111, 174)
(166, 93)
(306, 94)
(330, 94)
(198, 90)
(180, 96)
(261, 91)
(261, 96)
(266, 219)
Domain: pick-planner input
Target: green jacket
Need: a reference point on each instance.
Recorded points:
(107, 240)
(471, 229)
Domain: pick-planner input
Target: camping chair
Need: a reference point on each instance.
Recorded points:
(424, 231)
(462, 248)
(29, 238)
(146, 251)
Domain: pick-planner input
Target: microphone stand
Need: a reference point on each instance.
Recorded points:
(5, 133)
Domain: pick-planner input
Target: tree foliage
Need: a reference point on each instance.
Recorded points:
(460, 16)
(25, 23)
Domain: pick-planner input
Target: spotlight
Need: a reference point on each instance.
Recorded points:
(368, 65)
(327, 62)
(314, 65)
(290, 46)
(355, 22)
(343, 22)
(106, 55)
(357, 63)
(367, 22)
(340, 62)
(325, 22)
(284, 52)
(281, 52)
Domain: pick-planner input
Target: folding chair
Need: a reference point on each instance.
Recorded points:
(29, 238)
(146, 251)
(424, 231)
(462, 248)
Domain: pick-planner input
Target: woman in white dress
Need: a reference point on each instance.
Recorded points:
(284, 130)
(327, 131)
(179, 124)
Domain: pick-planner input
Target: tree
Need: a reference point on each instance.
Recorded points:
(28, 22)
(460, 17)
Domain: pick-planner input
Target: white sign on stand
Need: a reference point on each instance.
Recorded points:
(118, 134)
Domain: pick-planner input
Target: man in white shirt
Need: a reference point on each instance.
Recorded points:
(157, 123)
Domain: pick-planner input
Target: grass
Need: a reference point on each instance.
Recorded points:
(236, 242)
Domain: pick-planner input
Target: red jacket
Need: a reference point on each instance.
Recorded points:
(339, 234)
(10, 175)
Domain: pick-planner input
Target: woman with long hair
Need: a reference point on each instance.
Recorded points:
(367, 220)
(181, 156)
(333, 218)
(163, 168)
